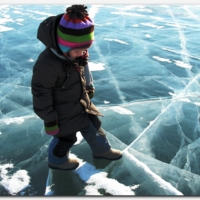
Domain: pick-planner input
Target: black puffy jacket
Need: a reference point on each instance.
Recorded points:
(59, 86)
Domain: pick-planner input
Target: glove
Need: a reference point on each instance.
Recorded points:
(90, 90)
(91, 94)
(51, 128)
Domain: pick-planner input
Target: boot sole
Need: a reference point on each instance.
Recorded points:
(101, 157)
(57, 168)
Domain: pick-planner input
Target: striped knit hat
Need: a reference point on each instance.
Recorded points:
(76, 29)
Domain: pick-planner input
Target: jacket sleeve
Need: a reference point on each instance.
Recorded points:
(89, 78)
(42, 83)
(89, 82)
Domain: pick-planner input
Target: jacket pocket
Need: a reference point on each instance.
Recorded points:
(51, 128)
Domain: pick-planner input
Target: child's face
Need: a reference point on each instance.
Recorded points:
(74, 53)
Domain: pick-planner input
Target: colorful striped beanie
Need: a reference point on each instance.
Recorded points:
(75, 29)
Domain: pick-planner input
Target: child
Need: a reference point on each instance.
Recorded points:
(62, 87)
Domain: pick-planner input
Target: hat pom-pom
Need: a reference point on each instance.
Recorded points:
(77, 11)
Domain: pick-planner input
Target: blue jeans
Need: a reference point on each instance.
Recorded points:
(96, 139)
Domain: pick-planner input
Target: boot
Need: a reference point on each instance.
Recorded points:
(69, 164)
(111, 154)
